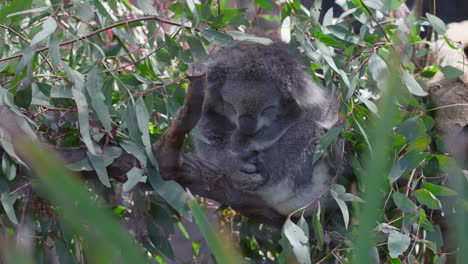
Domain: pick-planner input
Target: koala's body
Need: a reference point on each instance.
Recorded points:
(263, 117)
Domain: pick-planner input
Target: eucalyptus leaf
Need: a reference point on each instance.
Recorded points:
(48, 27)
(398, 243)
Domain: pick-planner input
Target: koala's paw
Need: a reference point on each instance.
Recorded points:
(248, 177)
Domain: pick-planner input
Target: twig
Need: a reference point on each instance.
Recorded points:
(102, 30)
(375, 20)
(26, 40)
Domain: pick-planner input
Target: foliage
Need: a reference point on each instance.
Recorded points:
(102, 73)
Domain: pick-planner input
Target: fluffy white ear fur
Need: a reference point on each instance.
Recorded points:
(314, 97)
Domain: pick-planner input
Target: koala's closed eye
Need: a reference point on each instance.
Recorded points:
(270, 111)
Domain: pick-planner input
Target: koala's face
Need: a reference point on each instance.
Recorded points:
(252, 106)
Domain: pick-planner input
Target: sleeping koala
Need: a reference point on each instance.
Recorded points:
(263, 117)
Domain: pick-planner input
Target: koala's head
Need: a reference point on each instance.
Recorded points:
(255, 85)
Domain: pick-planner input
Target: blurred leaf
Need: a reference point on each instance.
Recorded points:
(159, 240)
(217, 37)
(192, 8)
(147, 7)
(407, 163)
(286, 30)
(99, 166)
(94, 86)
(222, 251)
(137, 151)
(426, 198)
(196, 46)
(54, 51)
(48, 27)
(325, 142)
(403, 202)
(420, 143)
(142, 119)
(82, 106)
(170, 191)
(8, 200)
(378, 69)
(241, 36)
(439, 190)
(437, 23)
(298, 240)
(315, 9)
(33, 10)
(326, 39)
(78, 212)
(134, 176)
(265, 4)
(451, 73)
(8, 167)
(317, 226)
(398, 243)
(343, 207)
(412, 85)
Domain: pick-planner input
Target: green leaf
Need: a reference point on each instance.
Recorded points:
(94, 86)
(265, 4)
(326, 39)
(26, 60)
(170, 191)
(378, 70)
(217, 37)
(325, 142)
(241, 36)
(137, 151)
(100, 167)
(29, 11)
(437, 23)
(439, 190)
(343, 207)
(412, 85)
(428, 199)
(317, 227)
(345, 34)
(8, 201)
(134, 176)
(8, 167)
(78, 210)
(398, 243)
(403, 202)
(159, 239)
(54, 51)
(48, 27)
(82, 106)
(298, 240)
(429, 71)
(196, 46)
(142, 119)
(407, 163)
(193, 9)
(420, 144)
(451, 73)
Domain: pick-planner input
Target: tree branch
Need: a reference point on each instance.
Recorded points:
(68, 42)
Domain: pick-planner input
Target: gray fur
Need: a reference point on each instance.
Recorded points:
(263, 116)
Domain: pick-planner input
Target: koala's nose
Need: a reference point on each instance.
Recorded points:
(247, 124)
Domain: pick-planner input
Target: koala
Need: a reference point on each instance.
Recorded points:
(263, 116)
